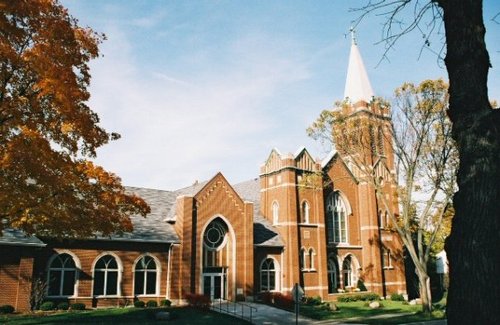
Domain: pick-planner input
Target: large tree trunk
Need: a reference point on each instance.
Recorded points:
(473, 246)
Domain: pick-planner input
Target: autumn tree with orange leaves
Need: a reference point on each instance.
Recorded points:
(48, 134)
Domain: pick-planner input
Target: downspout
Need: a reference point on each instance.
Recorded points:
(169, 263)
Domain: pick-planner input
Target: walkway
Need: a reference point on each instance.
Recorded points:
(268, 315)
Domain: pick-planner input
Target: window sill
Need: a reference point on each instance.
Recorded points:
(307, 224)
(58, 297)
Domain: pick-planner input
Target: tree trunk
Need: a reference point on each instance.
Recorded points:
(425, 292)
(473, 246)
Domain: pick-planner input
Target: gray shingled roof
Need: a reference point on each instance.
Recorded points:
(264, 234)
(157, 226)
(188, 191)
(263, 231)
(19, 238)
(152, 228)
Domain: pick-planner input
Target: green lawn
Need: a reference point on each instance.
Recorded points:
(359, 312)
(185, 315)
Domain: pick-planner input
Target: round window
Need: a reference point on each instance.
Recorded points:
(214, 235)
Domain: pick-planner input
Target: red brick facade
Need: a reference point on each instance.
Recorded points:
(323, 228)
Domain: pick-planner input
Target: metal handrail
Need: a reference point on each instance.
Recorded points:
(235, 310)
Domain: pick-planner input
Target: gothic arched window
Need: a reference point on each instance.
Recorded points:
(349, 273)
(312, 253)
(305, 212)
(332, 276)
(276, 212)
(337, 218)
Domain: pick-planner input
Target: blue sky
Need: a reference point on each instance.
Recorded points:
(198, 87)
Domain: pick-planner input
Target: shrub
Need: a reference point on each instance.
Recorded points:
(198, 301)
(397, 297)
(152, 304)
(284, 301)
(313, 301)
(6, 309)
(63, 305)
(266, 297)
(165, 302)
(361, 285)
(78, 306)
(369, 296)
(359, 297)
(139, 304)
(48, 305)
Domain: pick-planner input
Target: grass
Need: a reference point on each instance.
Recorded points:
(359, 312)
(143, 316)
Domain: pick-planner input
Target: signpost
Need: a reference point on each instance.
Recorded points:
(297, 294)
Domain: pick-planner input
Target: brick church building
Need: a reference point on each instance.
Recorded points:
(300, 221)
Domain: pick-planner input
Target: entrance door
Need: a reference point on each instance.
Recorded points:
(215, 285)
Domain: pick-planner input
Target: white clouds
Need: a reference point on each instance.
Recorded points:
(177, 130)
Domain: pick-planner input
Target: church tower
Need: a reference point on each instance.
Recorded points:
(361, 245)
(292, 201)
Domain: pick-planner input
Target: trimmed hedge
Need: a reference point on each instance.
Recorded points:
(397, 297)
(198, 301)
(358, 297)
(6, 309)
(165, 302)
(48, 305)
(78, 306)
(313, 301)
(63, 306)
(139, 304)
(151, 304)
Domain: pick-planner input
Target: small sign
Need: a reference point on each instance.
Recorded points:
(297, 292)
(239, 291)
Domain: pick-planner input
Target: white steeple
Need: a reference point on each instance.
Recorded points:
(357, 86)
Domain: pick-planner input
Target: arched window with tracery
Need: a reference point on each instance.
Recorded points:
(332, 276)
(214, 240)
(62, 275)
(337, 219)
(269, 275)
(276, 212)
(106, 274)
(146, 276)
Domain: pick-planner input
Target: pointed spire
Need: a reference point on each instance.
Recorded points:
(357, 86)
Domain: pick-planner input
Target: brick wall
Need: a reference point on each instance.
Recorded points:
(16, 272)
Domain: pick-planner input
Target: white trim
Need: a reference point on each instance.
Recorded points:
(275, 211)
(316, 288)
(346, 246)
(363, 228)
(158, 275)
(379, 284)
(288, 223)
(305, 209)
(277, 274)
(78, 267)
(233, 247)
(119, 278)
(278, 186)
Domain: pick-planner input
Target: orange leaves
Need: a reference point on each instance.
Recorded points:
(47, 131)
